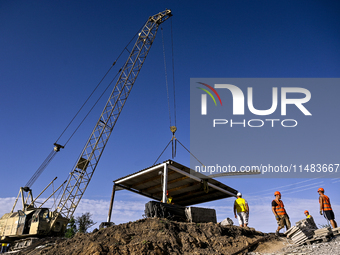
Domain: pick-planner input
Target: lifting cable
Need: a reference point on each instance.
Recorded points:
(174, 138)
(166, 77)
(57, 146)
(173, 129)
(41, 168)
(173, 71)
(125, 48)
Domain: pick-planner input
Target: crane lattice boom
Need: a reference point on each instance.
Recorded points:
(82, 173)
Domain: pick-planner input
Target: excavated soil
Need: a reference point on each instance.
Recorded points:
(158, 236)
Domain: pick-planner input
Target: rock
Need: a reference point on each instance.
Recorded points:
(226, 222)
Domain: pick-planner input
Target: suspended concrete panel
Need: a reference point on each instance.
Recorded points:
(185, 188)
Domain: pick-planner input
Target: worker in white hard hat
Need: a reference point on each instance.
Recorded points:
(241, 210)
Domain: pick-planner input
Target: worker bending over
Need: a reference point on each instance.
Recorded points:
(310, 217)
(326, 208)
(280, 213)
(242, 209)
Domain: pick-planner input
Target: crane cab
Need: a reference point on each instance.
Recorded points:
(39, 223)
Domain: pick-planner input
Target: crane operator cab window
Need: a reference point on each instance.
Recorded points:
(40, 215)
(44, 214)
(35, 217)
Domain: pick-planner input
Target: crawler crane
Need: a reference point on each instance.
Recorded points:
(33, 221)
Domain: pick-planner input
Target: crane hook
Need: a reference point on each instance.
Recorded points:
(173, 129)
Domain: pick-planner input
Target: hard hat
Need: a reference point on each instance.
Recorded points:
(321, 189)
(239, 194)
(306, 212)
(277, 193)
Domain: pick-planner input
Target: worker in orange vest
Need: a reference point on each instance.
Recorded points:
(280, 213)
(326, 208)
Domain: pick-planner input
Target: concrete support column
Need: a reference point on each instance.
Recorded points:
(165, 183)
(111, 202)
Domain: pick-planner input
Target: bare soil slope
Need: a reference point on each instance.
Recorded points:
(159, 236)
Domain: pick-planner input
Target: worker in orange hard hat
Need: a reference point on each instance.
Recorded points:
(311, 219)
(169, 198)
(280, 213)
(326, 208)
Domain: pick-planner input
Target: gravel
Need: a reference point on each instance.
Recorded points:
(330, 248)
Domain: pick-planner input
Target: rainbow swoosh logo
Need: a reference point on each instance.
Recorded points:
(209, 93)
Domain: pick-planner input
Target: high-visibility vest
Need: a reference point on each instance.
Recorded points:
(280, 208)
(169, 200)
(326, 203)
(308, 216)
(240, 205)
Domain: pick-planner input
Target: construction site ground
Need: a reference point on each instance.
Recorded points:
(162, 236)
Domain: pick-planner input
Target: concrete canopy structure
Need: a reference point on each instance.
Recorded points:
(185, 186)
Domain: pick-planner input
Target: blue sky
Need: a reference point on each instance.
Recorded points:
(53, 54)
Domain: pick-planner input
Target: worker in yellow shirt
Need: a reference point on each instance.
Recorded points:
(241, 210)
(4, 247)
(308, 216)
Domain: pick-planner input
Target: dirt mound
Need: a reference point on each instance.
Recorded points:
(159, 236)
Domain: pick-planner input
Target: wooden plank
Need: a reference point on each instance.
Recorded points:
(316, 240)
(300, 238)
(289, 230)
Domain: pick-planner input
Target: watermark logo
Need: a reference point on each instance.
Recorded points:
(247, 126)
(204, 97)
(238, 99)
(294, 96)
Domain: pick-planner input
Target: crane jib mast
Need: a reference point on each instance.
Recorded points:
(82, 173)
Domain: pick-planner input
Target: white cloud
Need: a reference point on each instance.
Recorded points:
(6, 204)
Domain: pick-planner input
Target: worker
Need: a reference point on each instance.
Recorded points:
(4, 247)
(280, 213)
(326, 208)
(242, 209)
(169, 198)
(310, 217)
